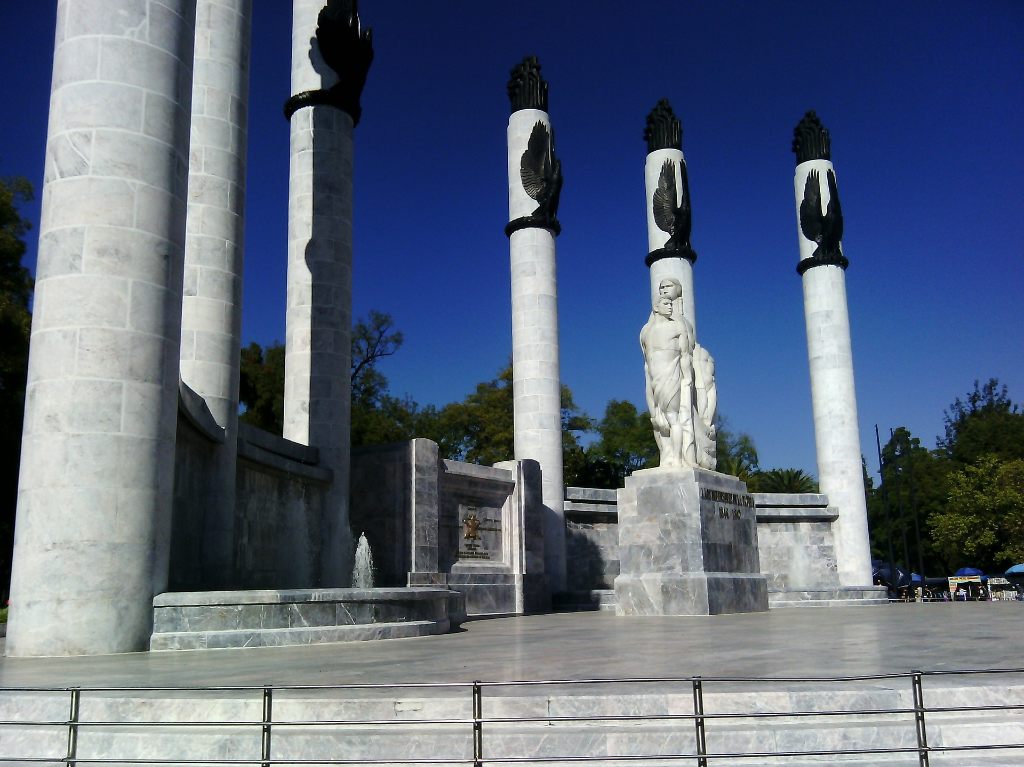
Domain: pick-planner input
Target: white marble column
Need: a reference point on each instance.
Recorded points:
(211, 315)
(536, 384)
(672, 267)
(317, 406)
(833, 396)
(97, 471)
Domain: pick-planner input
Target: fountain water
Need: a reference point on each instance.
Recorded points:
(276, 617)
(362, 571)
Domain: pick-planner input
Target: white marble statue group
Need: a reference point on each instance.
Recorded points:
(680, 376)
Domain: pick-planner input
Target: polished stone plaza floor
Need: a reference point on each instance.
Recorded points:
(782, 643)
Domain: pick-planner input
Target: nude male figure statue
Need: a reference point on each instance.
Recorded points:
(668, 343)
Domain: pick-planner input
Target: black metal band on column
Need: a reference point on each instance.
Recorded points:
(532, 222)
(322, 97)
(811, 141)
(348, 50)
(809, 263)
(540, 170)
(656, 255)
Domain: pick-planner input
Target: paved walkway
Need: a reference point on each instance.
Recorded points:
(782, 643)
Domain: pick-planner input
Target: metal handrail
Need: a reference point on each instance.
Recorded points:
(511, 683)
(700, 718)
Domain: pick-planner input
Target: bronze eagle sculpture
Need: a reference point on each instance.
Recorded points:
(825, 230)
(671, 216)
(541, 172)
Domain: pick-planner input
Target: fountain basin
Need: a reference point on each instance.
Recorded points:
(201, 620)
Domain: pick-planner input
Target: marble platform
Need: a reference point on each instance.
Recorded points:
(272, 618)
(779, 644)
(687, 545)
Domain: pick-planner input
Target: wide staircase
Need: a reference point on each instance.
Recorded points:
(974, 718)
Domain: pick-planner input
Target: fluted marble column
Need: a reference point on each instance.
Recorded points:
(330, 59)
(97, 470)
(534, 185)
(829, 350)
(211, 316)
(668, 236)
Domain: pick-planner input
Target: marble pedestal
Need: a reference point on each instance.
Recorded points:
(687, 545)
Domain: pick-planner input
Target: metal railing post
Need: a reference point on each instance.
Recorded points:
(922, 733)
(268, 710)
(76, 698)
(698, 720)
(478, 725)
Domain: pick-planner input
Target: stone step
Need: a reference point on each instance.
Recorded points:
(583, 601)
(214, 640)
(407, 733)
(554, 741)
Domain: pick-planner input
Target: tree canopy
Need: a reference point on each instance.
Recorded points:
(15, 325)
(261, 386)
(984, 519)
(986, 422)
(782, 481)
(960, 504)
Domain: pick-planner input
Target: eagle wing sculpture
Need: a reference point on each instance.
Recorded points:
(541, 171)
(834, 213)
(825, 230)
(670, 216)
(811, 220)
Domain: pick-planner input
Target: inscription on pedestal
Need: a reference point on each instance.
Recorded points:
(479, 533)
(728, 505)
(729, 523)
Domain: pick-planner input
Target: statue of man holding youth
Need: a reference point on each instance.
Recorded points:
(667, 341)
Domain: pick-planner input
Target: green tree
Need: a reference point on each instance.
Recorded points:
(625, 444)
(15, 295)
(737, 454)
(376, 416)
(913, 487)
(782, 481)
(986, 422)
(372, 340)
(261, 386)
(480, 429)
(393, 419)
(15, 323)
(983, 522)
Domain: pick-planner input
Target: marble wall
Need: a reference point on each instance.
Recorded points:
(429, 521)
(794, 533)
(591, 538)
(382, 505)
(276, 518)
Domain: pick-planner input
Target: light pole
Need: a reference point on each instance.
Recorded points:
(885, 503)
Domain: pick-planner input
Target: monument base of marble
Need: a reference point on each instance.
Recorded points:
(687, 545)
(796, 547)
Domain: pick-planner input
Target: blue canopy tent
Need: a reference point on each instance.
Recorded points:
(891, 576)
(969, 571)
(1015, 575)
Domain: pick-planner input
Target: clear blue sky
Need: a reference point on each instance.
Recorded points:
(925, 102)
